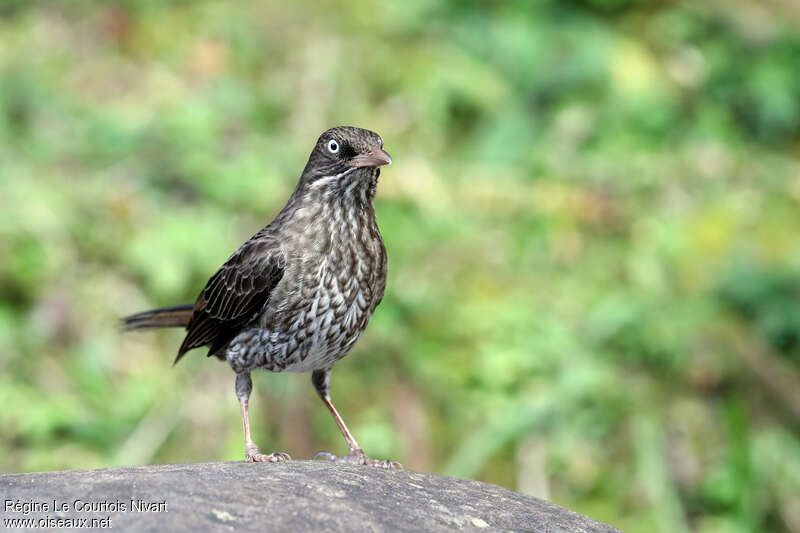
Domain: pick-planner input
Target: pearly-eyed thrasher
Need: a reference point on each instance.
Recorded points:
(298, 294)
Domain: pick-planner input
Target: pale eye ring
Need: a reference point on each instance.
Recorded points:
(333, 146)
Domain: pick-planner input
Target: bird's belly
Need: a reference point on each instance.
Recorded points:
(305, 338)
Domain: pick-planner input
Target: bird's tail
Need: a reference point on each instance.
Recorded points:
(168, 317)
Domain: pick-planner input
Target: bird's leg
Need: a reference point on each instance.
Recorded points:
(322, 383)
(251, 453)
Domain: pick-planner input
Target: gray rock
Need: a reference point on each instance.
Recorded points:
(296, 496)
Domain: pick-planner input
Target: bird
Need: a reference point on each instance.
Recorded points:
(299, 293)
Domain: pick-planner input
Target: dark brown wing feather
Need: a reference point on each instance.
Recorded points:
(234, 295)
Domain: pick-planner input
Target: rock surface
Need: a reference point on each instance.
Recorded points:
(296, 496)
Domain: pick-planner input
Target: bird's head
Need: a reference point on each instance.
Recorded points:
(345, 156)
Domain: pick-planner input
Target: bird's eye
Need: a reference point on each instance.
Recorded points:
(333, 146)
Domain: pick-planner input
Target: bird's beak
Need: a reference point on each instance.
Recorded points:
(373, 157)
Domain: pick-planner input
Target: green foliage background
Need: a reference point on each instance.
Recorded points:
(592, 221)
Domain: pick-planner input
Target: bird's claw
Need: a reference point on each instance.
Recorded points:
(252, 455)
(357, 457)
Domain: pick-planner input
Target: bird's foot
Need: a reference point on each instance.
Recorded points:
(357, 457)
(252, 455)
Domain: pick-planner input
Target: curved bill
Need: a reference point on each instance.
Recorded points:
(373, 157)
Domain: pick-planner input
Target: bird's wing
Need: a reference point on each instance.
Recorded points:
(235, 294)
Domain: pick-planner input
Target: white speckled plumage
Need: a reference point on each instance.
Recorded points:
(334, 279)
